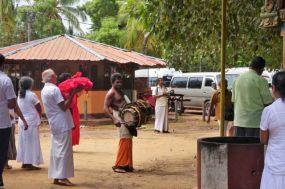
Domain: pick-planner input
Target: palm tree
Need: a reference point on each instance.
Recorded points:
(64, 10)
(7, 20)
(139, 37)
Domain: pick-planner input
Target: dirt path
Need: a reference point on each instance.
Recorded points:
(162, 161)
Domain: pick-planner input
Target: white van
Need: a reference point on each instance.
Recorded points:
(197, 87)
(237, 71)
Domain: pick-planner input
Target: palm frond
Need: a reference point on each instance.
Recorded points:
(77, 12)
(70, 17)
(68, 2)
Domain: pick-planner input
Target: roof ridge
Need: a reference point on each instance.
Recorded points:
(151, 57)
(33, 44)
(101, 57)
(125, 50)
(118, 48)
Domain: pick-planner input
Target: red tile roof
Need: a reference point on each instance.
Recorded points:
(65, 47)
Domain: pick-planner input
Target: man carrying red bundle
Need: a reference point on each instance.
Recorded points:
(66, 83)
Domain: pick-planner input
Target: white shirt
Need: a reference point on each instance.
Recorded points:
(59, 121)
(6, 93)
(161, 101)
(273, 120)
(27, 106)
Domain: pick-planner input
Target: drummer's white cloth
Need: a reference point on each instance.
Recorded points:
(161, 118)
(61, 157)
(123, 130)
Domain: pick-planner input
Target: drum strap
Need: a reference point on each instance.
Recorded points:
(127, 99)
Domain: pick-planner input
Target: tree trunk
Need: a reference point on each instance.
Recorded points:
(145, 40)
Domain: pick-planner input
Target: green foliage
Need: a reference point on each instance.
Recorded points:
(108, 33)
(189, 33)
(99, 9)
(184, 32)
(46, 18)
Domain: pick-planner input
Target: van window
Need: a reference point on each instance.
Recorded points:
(208, 82)
(195, 82)
(179, 82)
(152, 81)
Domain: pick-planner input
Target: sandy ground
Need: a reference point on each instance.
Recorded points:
(162, 161)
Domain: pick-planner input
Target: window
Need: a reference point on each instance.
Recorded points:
(167, 80)
(152, 81)
(195, 82)
(179, 82)
(208, 82)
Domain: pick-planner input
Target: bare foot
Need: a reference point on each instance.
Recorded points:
(118, 170)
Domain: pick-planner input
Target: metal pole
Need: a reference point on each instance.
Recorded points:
(29, 17)
(223, 61)
(176, 110)
(86, 107)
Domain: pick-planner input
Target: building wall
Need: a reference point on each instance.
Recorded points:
(94, 99)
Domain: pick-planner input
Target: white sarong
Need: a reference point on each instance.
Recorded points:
(272, 181)
(161, 118)
(61, 157)
(29, 147)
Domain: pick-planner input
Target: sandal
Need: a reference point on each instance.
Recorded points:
(118, 170)
(32, 168)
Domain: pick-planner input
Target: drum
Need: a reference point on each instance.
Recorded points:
(136, 114)
(145, 110)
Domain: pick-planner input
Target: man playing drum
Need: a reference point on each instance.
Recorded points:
(114, 102)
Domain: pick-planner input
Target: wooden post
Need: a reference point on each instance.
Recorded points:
(176, 110)
(223, 62)
(86, 107)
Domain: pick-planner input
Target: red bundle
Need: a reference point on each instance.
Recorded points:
(76, 81)
(66, 87)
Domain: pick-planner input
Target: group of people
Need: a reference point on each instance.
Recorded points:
(250, 105)
(59, 110)
(64, 128)
(259, 112)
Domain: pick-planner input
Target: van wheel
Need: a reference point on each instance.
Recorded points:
(207, 107)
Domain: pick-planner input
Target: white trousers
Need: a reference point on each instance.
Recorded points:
(61, 156)
(161, 118)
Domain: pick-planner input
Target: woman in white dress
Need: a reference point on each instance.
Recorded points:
(272, 132)
(161, 107)
(29, 149)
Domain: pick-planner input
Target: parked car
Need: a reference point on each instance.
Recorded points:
(197, 87)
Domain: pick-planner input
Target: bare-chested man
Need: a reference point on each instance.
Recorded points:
(114, 101)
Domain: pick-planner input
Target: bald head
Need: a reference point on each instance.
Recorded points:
(49, 76)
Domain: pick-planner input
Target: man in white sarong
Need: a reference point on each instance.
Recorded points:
(161, 107)
(61, 124)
